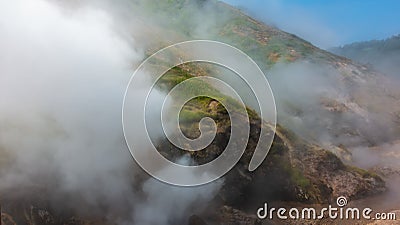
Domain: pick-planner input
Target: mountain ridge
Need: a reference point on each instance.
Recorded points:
(382, 55)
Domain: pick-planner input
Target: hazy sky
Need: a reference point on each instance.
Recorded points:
(328, 23)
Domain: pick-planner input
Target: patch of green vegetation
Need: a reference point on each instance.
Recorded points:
(252, 113)
(242, 21)
(173, 77)
(243, 33)
(299, 179)
(364, 173)
(188, 115)
(177, 75)
(278, 154)
(295, 175)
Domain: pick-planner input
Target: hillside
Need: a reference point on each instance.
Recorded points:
(343, 86)
(328, 107)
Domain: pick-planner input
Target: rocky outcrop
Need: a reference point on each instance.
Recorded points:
(294, 170)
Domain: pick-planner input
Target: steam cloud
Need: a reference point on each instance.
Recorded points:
(64, 68)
